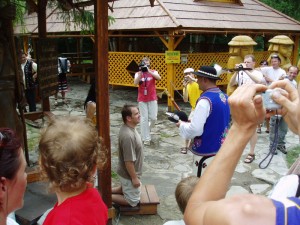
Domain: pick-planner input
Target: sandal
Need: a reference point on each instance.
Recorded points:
(258, 130)
(184, 150)
(249, 158)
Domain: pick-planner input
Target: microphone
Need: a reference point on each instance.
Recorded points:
(176, 116)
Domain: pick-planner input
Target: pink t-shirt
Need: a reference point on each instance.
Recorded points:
(147, 90)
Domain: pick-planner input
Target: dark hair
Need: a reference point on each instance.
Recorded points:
(264, 63)
(10, 146)
(126, 111)
(91, 96)
(276, 57)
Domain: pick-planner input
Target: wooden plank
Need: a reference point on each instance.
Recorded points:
(148, 203)
(152, 195)
(144, 197)
(33, 174)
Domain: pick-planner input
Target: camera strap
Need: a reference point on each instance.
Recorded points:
(273, 147)
(145, 79)
(240, 73)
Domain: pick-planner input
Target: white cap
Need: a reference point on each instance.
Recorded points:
(188, 70)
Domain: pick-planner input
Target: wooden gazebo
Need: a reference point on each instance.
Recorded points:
(178, 25)
(168, 20)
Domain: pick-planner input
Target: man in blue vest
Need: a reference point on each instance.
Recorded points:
(210, 123)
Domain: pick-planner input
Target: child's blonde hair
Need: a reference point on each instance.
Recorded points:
(69, 152)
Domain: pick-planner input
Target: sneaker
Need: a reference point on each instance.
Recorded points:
(282, 149)
(147, 143)
(275, 152)
(56, 103)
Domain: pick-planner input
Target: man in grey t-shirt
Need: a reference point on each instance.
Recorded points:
(131, 159)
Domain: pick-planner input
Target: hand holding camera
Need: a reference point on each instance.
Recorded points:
(268, 102)
(143, 67)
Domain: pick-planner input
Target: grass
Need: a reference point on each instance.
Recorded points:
(292, 155)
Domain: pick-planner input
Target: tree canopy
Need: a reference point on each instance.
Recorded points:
(288, 7)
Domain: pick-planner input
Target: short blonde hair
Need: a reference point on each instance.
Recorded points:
(69, 152)
(184, 191)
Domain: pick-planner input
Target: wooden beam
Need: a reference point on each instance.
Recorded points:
(102, 98)
(170, 75)
(295, 52)
(178, 41)
(161, 37)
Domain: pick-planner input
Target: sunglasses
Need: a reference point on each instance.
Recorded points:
(275, 57)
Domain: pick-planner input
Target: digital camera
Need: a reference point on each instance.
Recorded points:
(143, 67)
(268, 101)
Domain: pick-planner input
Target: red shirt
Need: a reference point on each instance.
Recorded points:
(85, 208)
(147, 90)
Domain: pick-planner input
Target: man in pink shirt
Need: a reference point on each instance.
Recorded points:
(147, 98)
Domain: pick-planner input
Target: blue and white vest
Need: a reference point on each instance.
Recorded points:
(216, 126)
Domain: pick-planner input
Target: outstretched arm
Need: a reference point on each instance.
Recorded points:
(290, 103)
(247, 111)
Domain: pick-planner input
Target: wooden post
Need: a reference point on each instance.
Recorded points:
(170, 74)
(295, 52)
(42, 26)
(102, 96)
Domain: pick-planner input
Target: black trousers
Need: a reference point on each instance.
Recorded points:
(30, 97)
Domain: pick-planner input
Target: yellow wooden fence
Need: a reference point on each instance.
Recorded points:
(120, 61)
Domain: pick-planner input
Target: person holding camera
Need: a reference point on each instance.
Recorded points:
(208, 204)
(191, 93)
(147, 99)
(271, 74)
(246, 74)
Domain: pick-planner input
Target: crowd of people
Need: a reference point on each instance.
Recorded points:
(207, 133)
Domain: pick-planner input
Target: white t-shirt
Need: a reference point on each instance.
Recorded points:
(10, 221)
(175, 222)
(243, 78)
(195, 127)
(274, 74)
(286, 187)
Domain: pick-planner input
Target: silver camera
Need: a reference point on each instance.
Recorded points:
(268, 101)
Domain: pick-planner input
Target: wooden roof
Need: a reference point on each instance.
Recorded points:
(195, 15)
(186, 15)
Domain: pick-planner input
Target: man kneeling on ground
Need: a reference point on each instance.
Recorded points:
(131, 159)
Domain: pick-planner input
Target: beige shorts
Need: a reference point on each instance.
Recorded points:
(131, 194)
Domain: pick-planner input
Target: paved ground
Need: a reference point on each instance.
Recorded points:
(164, 164)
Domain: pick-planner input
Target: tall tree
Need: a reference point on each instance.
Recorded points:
(288, 7)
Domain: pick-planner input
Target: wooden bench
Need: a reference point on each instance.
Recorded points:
(148, 203)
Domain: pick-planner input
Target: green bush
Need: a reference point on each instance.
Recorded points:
(292, 155)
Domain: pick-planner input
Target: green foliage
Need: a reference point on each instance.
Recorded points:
(288, 7)
(80, 18)
(293, 155)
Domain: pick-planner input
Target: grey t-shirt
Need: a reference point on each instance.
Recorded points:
(130, 149)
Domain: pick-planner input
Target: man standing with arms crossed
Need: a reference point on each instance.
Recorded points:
(131, 159)
(240, 78)
(191, 93)
(271, 74)
(147, 98)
